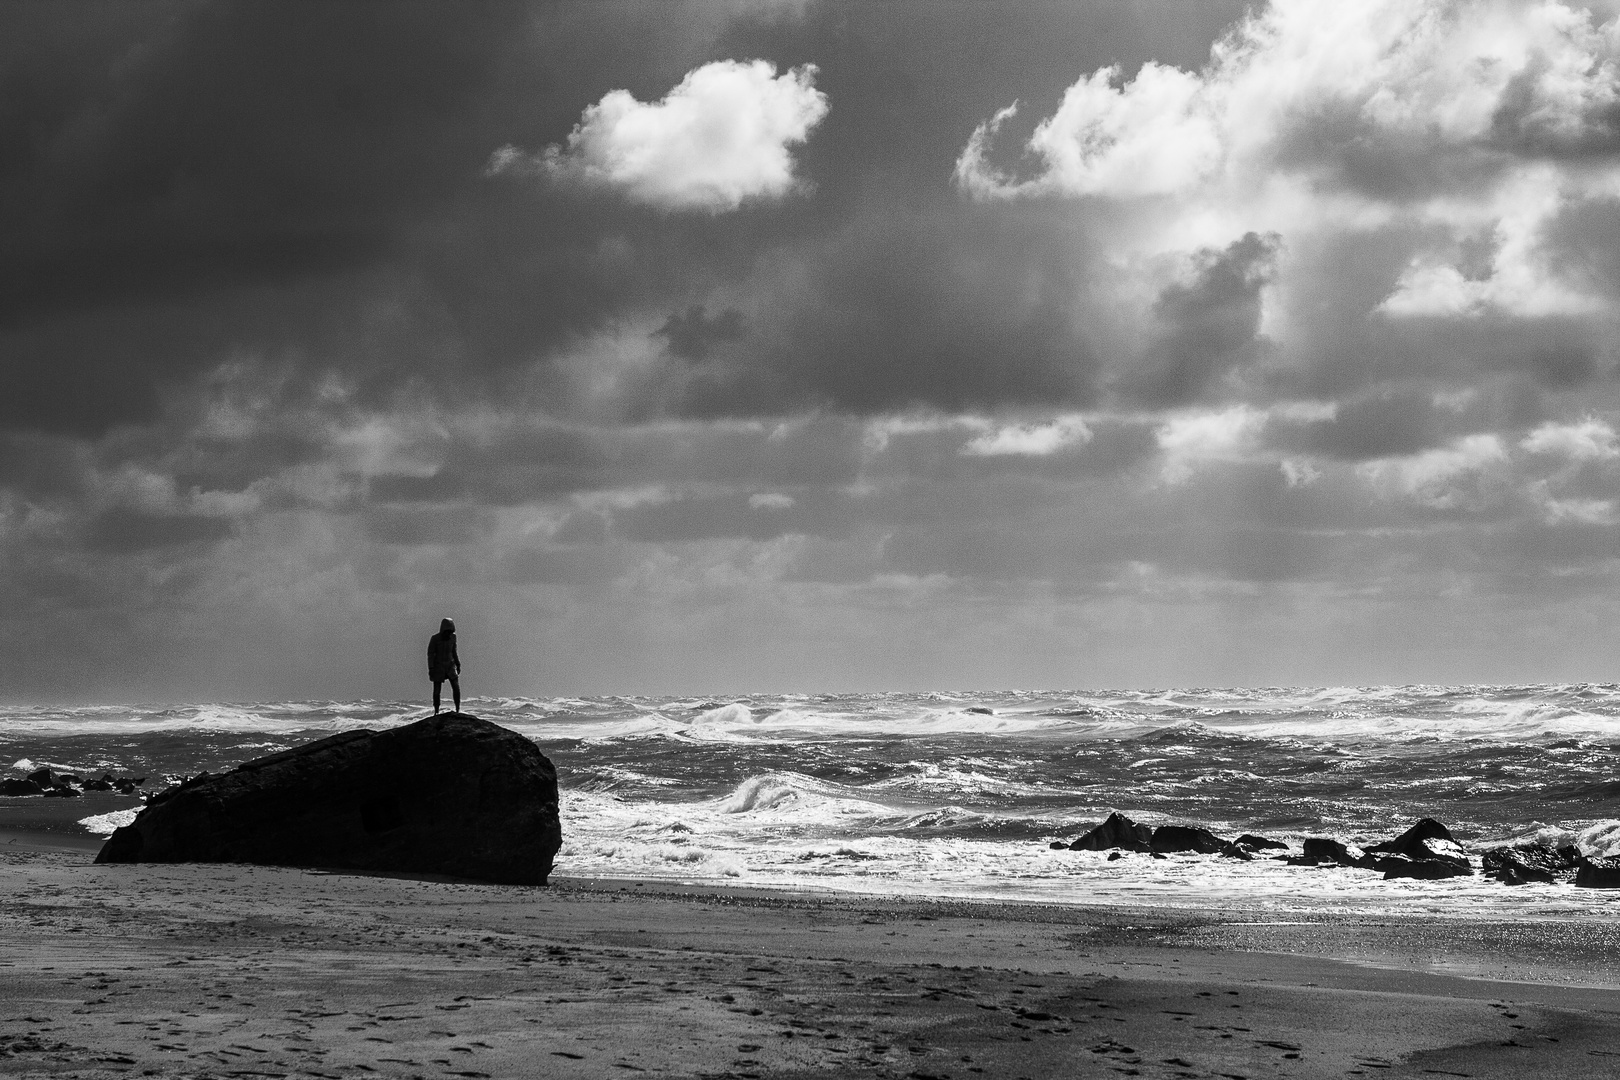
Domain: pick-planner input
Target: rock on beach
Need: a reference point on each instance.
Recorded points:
(452, 794)
(1116, 831)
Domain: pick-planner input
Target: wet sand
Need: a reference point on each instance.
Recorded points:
(252, 971)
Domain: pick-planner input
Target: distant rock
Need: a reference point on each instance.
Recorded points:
(1527, 863)
(1259, 843)
(1598, 874)
(451, 794)
(1515, 872)
(979, 710)
(1400, 866)
(1116, 831)
(1170, 838)
(13, 786)
(1321, 849)
(1428, 839)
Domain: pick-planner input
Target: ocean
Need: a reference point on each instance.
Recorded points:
(960, 794)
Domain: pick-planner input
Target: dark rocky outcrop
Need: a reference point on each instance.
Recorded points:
(1116, 831)
(1427, 840)
(1527, 863)
(1514, 871)
(46, 781)
(1400, 866)
(1259, 843)
(1321, 849)
(451, 794)
(1540, 856)
(1598, 873)
(1169, 838)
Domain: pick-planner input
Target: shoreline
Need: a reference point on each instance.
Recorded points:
(1556, 949)
(220, 969)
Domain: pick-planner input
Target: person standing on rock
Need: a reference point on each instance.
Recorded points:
(443, 663)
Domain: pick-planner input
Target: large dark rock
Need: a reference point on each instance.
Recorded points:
(43, 777)
(1259, 843)
(451, 795)
(1322, 849)
(1400, 866)
(1186, 838)
(1598, 874)
(13, 786)
(1528, 863)
(1428, 839)
(1116, 831)
(1515, 871)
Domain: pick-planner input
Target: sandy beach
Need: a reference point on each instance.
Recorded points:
(234, 970)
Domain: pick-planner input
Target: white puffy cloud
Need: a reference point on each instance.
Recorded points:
(1030, 439)
(1460, 131)
(1578, 511)
(1299, 473)
(1428, 76)
(1153, 135)
(720, 138)
(1190, 439)
(1589, 440)
(1441, 477)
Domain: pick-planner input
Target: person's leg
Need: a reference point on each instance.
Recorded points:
(438, 684)
(455, 688)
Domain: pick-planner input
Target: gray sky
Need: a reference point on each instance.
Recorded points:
(775, 345)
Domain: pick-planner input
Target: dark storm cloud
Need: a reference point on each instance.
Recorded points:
(1387, 422)
(527, 462)
(121, 531)
(692, 334)
(561, 565)
(738, 516)
(1209, 323)
(904, 309)
(160, 159)
(39, 466)
(523, 464)
(230, 142)
(304, 182)
(416, 527)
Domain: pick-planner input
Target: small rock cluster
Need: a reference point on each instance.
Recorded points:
(62, 785)
(1427, 851)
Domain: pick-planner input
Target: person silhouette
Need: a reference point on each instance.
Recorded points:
(443, 663)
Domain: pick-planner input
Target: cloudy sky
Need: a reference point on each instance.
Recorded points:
(787, 345)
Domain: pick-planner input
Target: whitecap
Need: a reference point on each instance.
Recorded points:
(105, 824)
